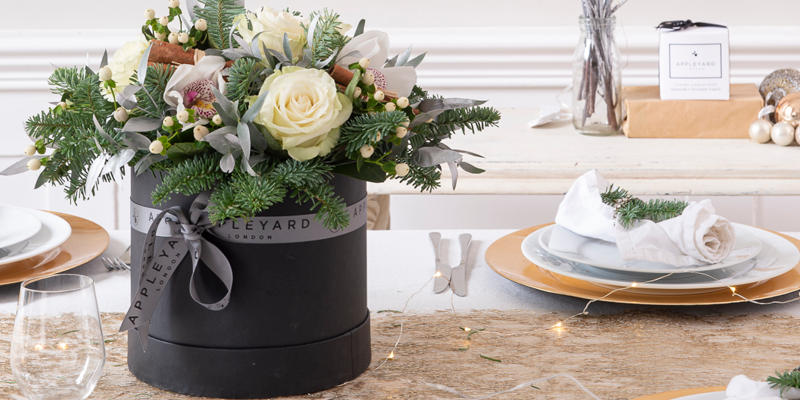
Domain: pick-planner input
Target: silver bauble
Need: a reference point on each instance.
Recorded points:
(780, 83)
(760, 130)
(782, 134)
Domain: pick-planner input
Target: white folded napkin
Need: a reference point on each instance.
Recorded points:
(696, 236)
(742, 388)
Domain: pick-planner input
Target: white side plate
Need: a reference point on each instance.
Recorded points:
(705, 396)
(16, 226)
(54, 232)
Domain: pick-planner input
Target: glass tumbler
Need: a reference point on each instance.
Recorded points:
(57, 349)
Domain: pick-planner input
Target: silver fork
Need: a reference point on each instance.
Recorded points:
(116, 264)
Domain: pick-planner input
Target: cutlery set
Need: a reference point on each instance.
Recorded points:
(445, 276)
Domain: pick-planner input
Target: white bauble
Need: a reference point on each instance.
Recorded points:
(760, 130)
(782, 134)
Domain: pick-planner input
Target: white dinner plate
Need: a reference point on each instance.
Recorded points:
(705, 396)
(16, 226)
(777, 257)
(53, 233)
(600, 253)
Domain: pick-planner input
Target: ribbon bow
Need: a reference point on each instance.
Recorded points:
(158, 269)
(681, 25)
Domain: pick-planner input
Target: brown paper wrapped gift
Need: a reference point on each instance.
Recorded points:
(647, 116)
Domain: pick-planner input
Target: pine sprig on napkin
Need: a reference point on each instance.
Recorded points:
(786, 380)
(628, 209)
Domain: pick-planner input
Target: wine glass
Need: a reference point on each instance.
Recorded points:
(57, 350)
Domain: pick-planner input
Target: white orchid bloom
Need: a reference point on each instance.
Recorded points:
(375, 46)
(190, 86)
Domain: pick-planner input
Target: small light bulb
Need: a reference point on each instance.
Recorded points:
(38, 347)
(437, 274)
(558, 325)
(634, 284)
(62, 346)
(733, 289)
(467, 329)
(391, 355)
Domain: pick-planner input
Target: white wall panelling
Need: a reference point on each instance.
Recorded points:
(511, 66)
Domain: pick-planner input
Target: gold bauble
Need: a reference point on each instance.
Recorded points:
(788, 109)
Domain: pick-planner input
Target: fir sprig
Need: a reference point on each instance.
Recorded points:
(327, 36)
(243, 196)
(190, 177)
(151, 97)
(219, 14)
(363, 129)
(630, 210)
(245, 79)
(785, 381)
(424, 178)
(330, 207)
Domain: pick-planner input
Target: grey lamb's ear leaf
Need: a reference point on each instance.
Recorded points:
(116, 162)
(104, 61)
(243, 44)
(311, 29)
(234, 54)
(127, 98)
(414, 62)
(254, 109)
(96, 170)
(20, 166)
(243, 133)
(190, 5)
(136, 141)
(322, 64)
(225, 109)
(471, 168)
(103, 133)
(287, 50)
(142, 124)
(430, 156)
(360, 28)
(453, 172)
(403, 57)
(390, 62)
(146, 162)
(141, 73)
(227, 163)
(257, 139)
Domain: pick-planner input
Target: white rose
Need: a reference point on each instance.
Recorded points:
(303, 111)
(272, 24)
(123, 65)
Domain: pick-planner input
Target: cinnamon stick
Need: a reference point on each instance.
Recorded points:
(173, 54)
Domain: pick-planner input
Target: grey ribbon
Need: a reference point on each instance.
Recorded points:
(158, 269)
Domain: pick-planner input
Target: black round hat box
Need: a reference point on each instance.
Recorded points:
(297, 321)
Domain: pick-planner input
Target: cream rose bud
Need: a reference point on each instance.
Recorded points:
(149, 14)
(401, 131)
(174, 3)
(217, 119)
(173, 38)
(368, 78)
(366, 151)
(357, 92)
(121, 114)
(364, 62)
(160, 36)
(123, 65)
(183, 37)
(182, 115)
(105, 73)
(379, 95)
(303, 111)
(401, 169)
(168, 122)
(390, 106)
(402, 102)
(30, 150)
(156, 147)
(163, 20)
(270, 26)
(200, 132)
(34, 164)
(201, 25)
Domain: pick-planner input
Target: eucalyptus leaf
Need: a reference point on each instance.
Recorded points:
(116, 162)
(469, 152)
(430, 156)
(244, 45)
(258, 158)
(471, 168)
(323, 64)
(257, 140)
(243, 133)
(351, 87)
(141, 73)
(40, 181)
(235, 54)
(227, 163)
(390, 62)
(190, 5)
(217, 140)
(254, 109)
(104, 61)
(225, 109)
(103, 133)
(268, 57)
(280, 57)
(397, 150)
(142, 124)
(311, 29)
(453, 172)
(271, 141)
(360, 28)
(287, 50)
(20, 166)
(96, 169)
(414, 62)
(306, 61)
(136, 141)
(403, 57)
(146, 162)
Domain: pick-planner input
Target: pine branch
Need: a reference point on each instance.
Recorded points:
(475, 119)
(245, 79)
(302, 173)
(327, 37)
(363, 129)
(190, 177)
(219, 14)
(424, 178)
(332, 212)
(151, 97)
(785, 381)
(629, 210)
(243, 196)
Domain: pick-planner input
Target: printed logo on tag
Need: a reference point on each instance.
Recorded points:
(695, 61)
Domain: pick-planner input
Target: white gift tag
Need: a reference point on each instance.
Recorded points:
(549, 113)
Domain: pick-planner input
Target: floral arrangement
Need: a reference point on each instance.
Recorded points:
(256, 107)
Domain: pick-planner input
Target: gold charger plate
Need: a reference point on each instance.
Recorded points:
(681, 393)
(505, 257)
(87, 241)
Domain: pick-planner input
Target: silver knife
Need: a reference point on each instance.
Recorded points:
(442, 281)
(458, 278)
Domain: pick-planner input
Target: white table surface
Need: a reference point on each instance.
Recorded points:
(399, 264)
(547, 160)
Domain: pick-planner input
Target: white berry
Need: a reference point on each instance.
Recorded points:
(364, 62)
(63, 105)
(217, 120)
(168, 122)
(174, 3)
(379, 95)
(401, 132)
(163, 20)
(182, 115)
(405, 124)
(401, 169)
(104, 73)
(366, 151)
(378, 136)
(34, 164)
(183, 37)
(156, 147)
(160, 36)
(30, 150)
(357, 92)
(201, 25)
(200, 132)
(121, 114)
(173, 38)
(402, 102)
(390, 106)
(368, 78)
(149, 14)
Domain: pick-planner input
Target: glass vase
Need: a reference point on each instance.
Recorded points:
(57, 349)
(596, 80)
